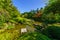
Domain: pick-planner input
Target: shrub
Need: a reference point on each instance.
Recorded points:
(53, 32)
(33, 36)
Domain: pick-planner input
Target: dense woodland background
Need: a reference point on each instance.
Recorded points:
(43, 24)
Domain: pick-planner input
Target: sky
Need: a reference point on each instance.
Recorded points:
(28, 5)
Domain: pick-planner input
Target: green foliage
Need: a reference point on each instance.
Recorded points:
(51, 13)
(7, 10)
(5, 36)
(53, 7)
(28, 15)
(33, 36)
(9, 15)
(53, 32)
(33, 14)
(1, 25)
(10, 27)
(38, 28)
(9, 35)
(51, 18)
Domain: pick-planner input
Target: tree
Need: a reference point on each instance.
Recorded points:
(53, 6)
(8, 10)
(51, 11)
